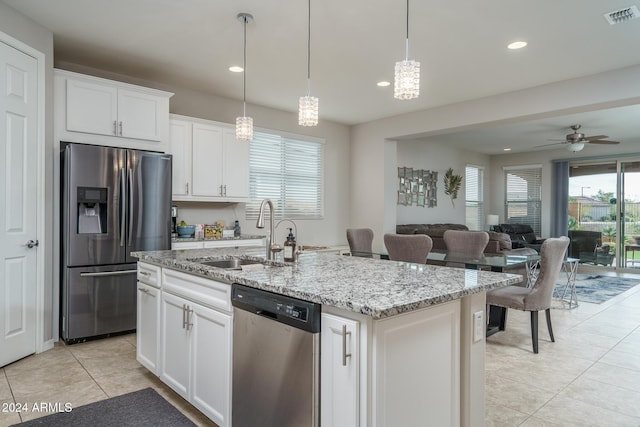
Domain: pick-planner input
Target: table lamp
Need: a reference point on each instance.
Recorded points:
(492, 221)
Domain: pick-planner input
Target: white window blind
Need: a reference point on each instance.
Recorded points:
(289, 172)
(474, 203)
(524, 196)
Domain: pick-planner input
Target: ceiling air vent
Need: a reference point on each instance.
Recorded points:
(622, 15)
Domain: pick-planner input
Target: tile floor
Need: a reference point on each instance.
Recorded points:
(81, 374)
(589, 376)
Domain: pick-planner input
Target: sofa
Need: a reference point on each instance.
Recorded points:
(499, 243)
(521, 235)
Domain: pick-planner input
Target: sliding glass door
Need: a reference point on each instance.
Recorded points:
(630, 213)
(604, 214)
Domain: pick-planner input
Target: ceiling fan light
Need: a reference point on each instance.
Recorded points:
(575, 146)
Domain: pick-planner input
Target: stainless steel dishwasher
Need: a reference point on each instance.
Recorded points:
(276, 365)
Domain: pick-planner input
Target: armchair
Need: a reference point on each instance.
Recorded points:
(522, 236)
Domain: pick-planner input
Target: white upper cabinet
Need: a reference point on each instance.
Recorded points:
(209, 164)
(103, 112)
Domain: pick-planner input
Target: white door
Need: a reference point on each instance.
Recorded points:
(138, 115)
(92, 108)
(180, 149)
(175, 347)
(339, 392)
(211, 363)
(148, 326)
(207, 164)
(235, 161)
(18, 203)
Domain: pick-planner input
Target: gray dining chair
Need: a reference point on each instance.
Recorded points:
(471, 243)
(360, 242)
(408, 247)
(538, 296)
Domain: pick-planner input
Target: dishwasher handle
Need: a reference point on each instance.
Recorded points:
(268, 314)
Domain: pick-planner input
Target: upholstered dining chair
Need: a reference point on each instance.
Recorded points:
(537, 297)
(471, 243)
(360, 241)
(408, 247)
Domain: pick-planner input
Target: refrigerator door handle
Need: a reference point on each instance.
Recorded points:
(130, 210)
(108, 273)
(123, 207)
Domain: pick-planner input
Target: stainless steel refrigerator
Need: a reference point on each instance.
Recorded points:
(114, 201)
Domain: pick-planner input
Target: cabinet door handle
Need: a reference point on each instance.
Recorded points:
(120, 128)
(144, 273)
(115, 127)
(225, 190)
(184, 316)
(186, 189)
(344, 345)
(146, 291)
(189, 324)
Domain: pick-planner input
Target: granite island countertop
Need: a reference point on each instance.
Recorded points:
(177, 239)
(376, 288)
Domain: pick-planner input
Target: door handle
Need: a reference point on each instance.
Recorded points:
(120, 128)
(32, 244)
(130, 210)
(344, 345)
(115, 127)
(146, 291)
(123, 208)
(108, 273)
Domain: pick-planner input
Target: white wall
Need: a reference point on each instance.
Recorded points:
(436, 157)
(40, 39)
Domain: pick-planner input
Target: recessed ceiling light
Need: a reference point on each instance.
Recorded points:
(236, 69)
(383, 83)
(506, 149)
(516, 45)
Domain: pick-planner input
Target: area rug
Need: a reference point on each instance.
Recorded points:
(595, 288)
(140, 408)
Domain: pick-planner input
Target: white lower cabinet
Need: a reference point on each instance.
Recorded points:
(148, 316)
(195, 343)
(339, 367)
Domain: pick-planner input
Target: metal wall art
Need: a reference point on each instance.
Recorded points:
(417, 187)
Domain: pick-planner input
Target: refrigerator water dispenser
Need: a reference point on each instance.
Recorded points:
(92, 210)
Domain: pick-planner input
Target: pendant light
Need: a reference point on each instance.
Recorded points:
(308, 105)
(244, 124)
(407, 74)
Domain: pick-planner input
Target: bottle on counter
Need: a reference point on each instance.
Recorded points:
(290, 247)
(236, 229)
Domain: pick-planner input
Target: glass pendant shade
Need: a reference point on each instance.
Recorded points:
(407, 80)
(575, 146)
(308, 111)
(244, 128)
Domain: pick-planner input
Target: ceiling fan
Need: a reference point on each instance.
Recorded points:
(575, 141)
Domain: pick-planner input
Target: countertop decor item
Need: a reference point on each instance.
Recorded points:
(186, 230)
(452, 184)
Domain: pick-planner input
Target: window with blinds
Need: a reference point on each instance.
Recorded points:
(289, 172)
(523, 196)
(474, 204)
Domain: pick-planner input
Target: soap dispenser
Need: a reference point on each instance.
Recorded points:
(290, 247)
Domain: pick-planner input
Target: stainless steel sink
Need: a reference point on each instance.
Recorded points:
(230, 264)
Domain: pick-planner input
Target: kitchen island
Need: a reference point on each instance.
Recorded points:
(415, 332)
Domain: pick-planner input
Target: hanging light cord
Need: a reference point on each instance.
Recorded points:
(309, 51)
(407, 41)
(244, 74)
